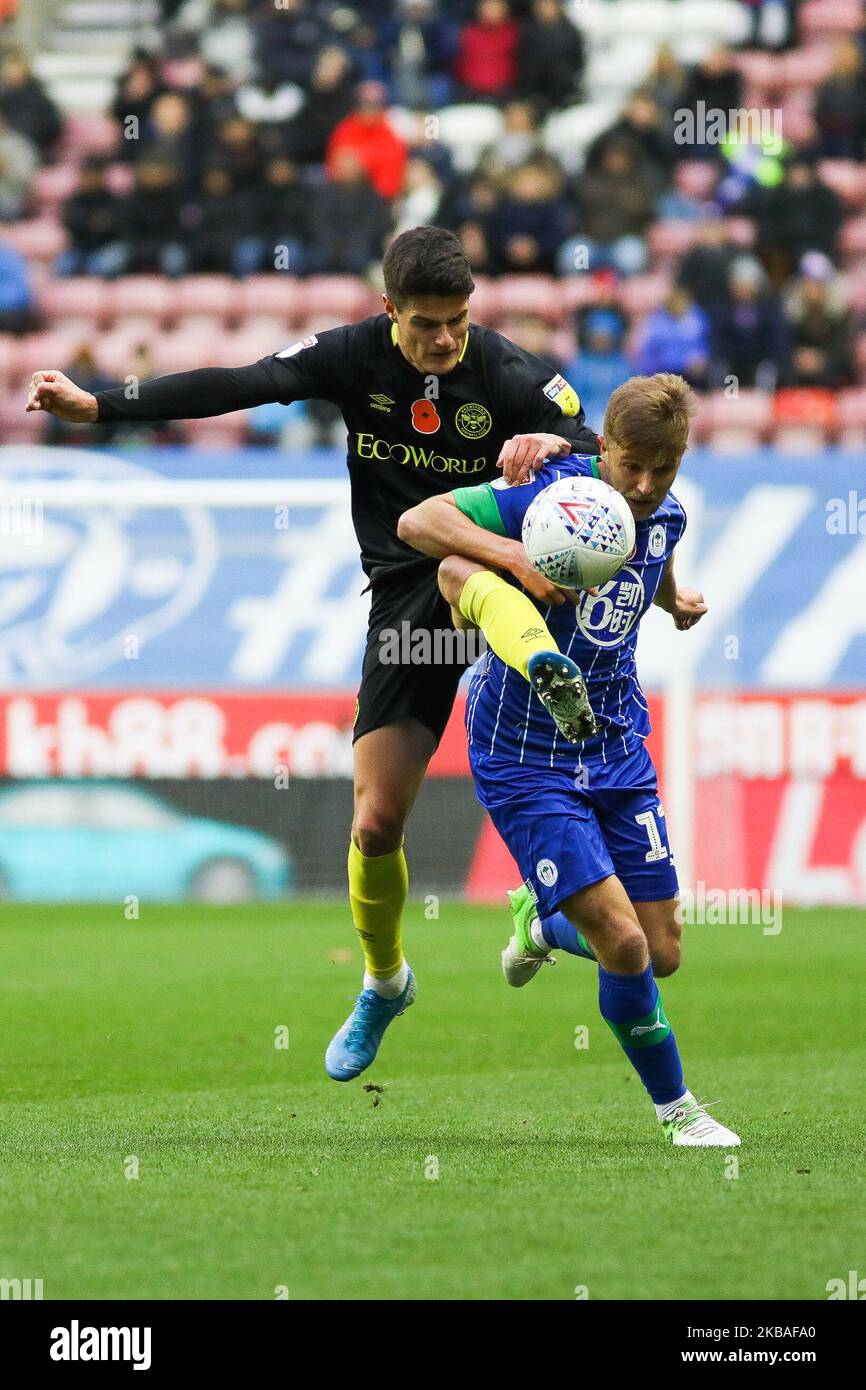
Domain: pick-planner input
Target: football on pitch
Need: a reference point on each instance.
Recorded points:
(578, 532)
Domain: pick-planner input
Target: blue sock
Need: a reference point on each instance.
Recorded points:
(632, 1007)
(559, 932)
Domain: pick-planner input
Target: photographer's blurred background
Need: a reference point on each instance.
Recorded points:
(201, 182)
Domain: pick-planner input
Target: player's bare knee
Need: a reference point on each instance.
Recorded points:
(377, 831)
(666, 959)
(453, 573)
(627, 952)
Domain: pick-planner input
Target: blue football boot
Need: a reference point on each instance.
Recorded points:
(354, 1047)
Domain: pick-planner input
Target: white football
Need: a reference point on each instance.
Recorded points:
(578, 532)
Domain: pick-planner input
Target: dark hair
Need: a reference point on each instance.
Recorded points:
(426, 261)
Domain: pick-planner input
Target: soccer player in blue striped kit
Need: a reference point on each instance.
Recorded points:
(557, 720)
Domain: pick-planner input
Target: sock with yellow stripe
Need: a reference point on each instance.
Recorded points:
(378, 885)
(513, 626)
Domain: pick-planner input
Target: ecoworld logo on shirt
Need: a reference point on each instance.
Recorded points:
(77, 1343)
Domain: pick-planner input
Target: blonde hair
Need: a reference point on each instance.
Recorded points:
(650, 415)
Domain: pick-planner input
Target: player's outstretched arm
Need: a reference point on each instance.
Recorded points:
(181, 396)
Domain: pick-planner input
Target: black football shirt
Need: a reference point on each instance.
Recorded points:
(410, 435)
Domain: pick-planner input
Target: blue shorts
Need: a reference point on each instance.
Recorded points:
(565, 833)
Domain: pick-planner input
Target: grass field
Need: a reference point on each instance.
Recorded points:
(154, 1040)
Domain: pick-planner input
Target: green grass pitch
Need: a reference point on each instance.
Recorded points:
(154, 1041)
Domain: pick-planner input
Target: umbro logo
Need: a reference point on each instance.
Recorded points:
(531, 633)
(380, 402)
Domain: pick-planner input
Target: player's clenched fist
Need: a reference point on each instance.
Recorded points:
(56, 394)
(688, 609)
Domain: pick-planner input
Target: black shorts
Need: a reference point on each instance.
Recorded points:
(413, 660)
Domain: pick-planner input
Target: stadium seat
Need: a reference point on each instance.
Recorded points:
(252, 341)
(567, 133)
(847, 178)
(696, 178)
(530, 294)
(724, 21)
(641, 294)
(563, 343)
(282, 295)
(8, 358)
(40, 239)
(152, 295)
(851, 406)
(219, 432)
(823, 18)
(343, 296)
(799, 439)
(655, 19)
(114, 351)
(89, 132)
(184, 351)
(750, 410)
(621, 67)
(42, 352)
(80, 295)
(485, 300)
(215, 295)
(467, 129)
(699, 429)
(806, 407)
(16, 425)
(734, 440)
(575, 291)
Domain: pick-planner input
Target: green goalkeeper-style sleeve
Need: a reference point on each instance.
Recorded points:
(479, 504)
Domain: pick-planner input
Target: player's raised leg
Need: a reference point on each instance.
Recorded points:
(631, 1005)
(390, 763)
(517, 632)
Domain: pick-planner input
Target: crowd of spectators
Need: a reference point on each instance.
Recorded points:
(264, 139)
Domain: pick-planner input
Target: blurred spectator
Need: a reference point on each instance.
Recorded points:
(363, 47)
(617, 204)
(369, 135)
(239, 150)
(675, 338)
(283, 212)
(532, 220)
(421, 198)
(749, 339)
(17, 309)
(288, 38)
(605, 296)
(149, 232)
(519, 142)
(329, 101)
(716, 83)
(171, 135)
(704, 272)
(474, 240)
(552, 56)
(641, 124)
(486, 65)
(137, 90)
(91, 216)
(228, 233)
(268, 104)
(800, 214)
(665, 83)
(420, 45)
(601, 365)
(348, 218)
(215, 101)
(840, 105)
(18, 163)
(25, 105)
(821, 327)
(422, 135)
(532, 333)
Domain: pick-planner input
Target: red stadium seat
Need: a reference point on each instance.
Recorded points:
(641, 294)
(340, 296)
(749, 410)
(810, 406)
(700, 426)
(486, 300)
(668, 241)
(8, 358)
(89, 132)
(530, 294)
(41, 239)
(563, 343)
(16, 425)
(220, 432)
(696, 178)
(152, 295)
(184, 351)
(577, 290)
(734, 440)
(79, 296)
(252, 341)
(851, 406)
(282, 295)
(820, 18)
(217, 295)
(847, 178)
(44, 352)
(800, 439)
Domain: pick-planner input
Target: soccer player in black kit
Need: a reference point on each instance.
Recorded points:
(430, 403)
